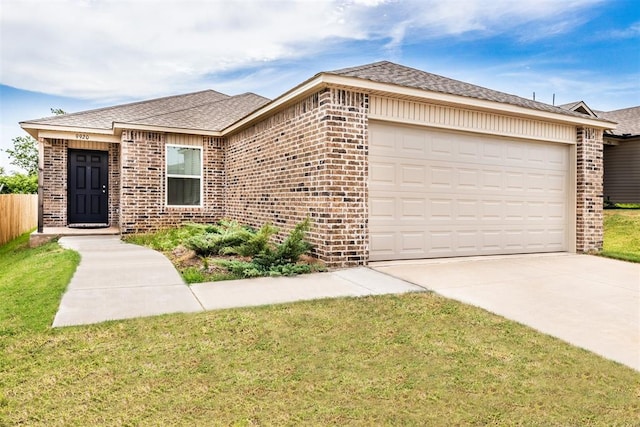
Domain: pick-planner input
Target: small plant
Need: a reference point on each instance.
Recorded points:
(193, 275)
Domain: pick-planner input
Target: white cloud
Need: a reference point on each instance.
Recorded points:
(626, 33)
(114, 49)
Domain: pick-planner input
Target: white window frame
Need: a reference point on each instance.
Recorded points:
(168, 175)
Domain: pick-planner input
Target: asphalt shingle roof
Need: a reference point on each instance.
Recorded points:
(209, 110)
(214, 111)
(628, 120)
(389, 72)
(213, 116)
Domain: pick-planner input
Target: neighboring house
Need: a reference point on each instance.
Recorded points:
(621, 152)
(389, 162)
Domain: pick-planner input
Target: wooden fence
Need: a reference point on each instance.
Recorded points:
(18, 214)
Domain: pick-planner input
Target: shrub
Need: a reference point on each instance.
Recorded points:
(259, 242)
(295, 244)
(223, 239)
(242, 269)
(289, 251)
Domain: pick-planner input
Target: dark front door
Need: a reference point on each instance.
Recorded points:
(88, 188)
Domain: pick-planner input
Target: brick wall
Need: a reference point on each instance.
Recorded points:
(114, 183)
(309, 159)
(143, 193)
(54, 187)
(589, 202)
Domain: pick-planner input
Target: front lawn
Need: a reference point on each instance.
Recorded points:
(622, 234)
(415, 359)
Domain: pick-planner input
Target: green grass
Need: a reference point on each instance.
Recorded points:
(415, 359)
(31, 284)
(622, 234)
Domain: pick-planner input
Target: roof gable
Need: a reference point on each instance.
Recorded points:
(580, 107)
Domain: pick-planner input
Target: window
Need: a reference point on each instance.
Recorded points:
(184, 175)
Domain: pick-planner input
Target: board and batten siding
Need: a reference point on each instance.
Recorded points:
(88, 145)
(448, 117)
(183, 139)
(622, 172)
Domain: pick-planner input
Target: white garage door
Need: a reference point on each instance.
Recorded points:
(442, 194)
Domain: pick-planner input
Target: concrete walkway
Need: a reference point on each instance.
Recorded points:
(588, 301)
(116, 280)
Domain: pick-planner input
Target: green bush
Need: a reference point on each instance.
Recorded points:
(19, 184)
(242, 269)
(289, 251)
(268, 260)
(223, 239)
(259, 242)
(295, 245)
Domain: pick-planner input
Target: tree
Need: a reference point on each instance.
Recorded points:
(18, 184)
(24, 154)
(58, 111)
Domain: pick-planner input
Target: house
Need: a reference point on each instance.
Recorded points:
(621, 152)
(622, 156)
(390, 162)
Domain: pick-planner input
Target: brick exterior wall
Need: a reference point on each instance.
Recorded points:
(589, 201)
(309, 159)
(54, 189)
(143, 192)
(114, 184)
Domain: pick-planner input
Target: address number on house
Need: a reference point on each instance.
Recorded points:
(82, 136)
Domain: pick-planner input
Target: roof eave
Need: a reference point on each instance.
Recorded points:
(325, 79)
(120, 126)
(31, 126)
(465, 101)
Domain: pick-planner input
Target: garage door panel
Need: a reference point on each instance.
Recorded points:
(442, 242)
(415, 209)
(464, 194)
(403, 175)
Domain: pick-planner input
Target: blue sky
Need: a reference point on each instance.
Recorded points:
(84, 54)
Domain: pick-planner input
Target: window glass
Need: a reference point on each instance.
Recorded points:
(183, 191)
(184, 173)
(183, 161)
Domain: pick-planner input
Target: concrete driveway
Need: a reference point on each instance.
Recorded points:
(588, 301)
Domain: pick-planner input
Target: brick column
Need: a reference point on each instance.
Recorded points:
(589, 201)
(345, 127)
(54, 178)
